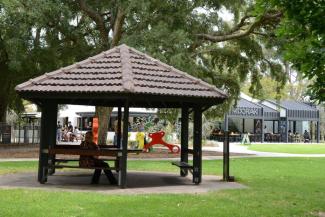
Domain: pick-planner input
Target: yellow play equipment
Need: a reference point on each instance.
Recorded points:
(140, 139)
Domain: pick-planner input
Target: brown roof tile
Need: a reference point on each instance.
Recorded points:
(121, 69)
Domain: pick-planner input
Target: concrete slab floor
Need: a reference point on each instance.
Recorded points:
(137, 183)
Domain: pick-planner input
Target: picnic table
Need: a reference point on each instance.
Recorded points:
(112, 152)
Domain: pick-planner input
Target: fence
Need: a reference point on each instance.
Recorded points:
(19, 133)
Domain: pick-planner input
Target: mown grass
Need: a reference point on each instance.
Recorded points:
(277, 187)
(304, 148)
(17, 166)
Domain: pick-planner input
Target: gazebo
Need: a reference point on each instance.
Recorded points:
(123, 77)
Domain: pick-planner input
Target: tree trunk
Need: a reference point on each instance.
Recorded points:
(103, 114)
(288, 72)
(3, 108)
(4, 91)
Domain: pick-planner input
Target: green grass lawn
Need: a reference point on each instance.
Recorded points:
(290, 148)
(14, 167)
(277, 187)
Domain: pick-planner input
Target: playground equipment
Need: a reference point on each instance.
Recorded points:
(140, 139)
(157, 138)
(95, 129)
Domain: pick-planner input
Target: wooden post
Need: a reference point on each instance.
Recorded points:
(197, 146)
(48, 137)
(184, 139)
(52, 143)
(123, 158)
(119, 120)
(226, 157)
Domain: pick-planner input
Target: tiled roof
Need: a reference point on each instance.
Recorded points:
(121, 70)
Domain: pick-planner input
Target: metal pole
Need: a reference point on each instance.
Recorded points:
(33, 125)
(318, 131)
(262, 123)
(286, 130)
(19, 132)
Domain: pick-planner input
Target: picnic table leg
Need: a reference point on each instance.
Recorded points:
(52, 163)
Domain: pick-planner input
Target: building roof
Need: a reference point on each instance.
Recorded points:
(246, 103)
(294, 105)
(120, 70)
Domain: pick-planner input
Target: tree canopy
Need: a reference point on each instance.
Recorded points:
(302, 32)
(38, 36)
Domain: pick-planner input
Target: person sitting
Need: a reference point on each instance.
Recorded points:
(77, 134)
(70, 132)
(92, 161)
(306, 136)
(65, 134)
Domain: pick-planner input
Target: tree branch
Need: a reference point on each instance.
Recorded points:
(37, 38)
(117, 28)
(98, 19)
(237, 32)
(241, 23)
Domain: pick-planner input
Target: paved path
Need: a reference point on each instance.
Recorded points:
(234, 148)
(138, 183)
(243, 149)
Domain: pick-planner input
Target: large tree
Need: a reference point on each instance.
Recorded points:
(37, 36)
(302, 30)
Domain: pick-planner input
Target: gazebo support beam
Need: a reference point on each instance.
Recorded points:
(184, 139)
(197, 146)
(119, 120)
(48, 137)
(123, 158)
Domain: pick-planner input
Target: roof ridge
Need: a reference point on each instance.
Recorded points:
(127, 75)
(63, 69)
(196, 80)
(255, 103)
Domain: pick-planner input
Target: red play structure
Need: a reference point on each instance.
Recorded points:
(157, 138)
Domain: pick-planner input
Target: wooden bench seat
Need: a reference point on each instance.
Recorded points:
(78, 167)
(77, 159)
(112, 152)
(182, 165)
